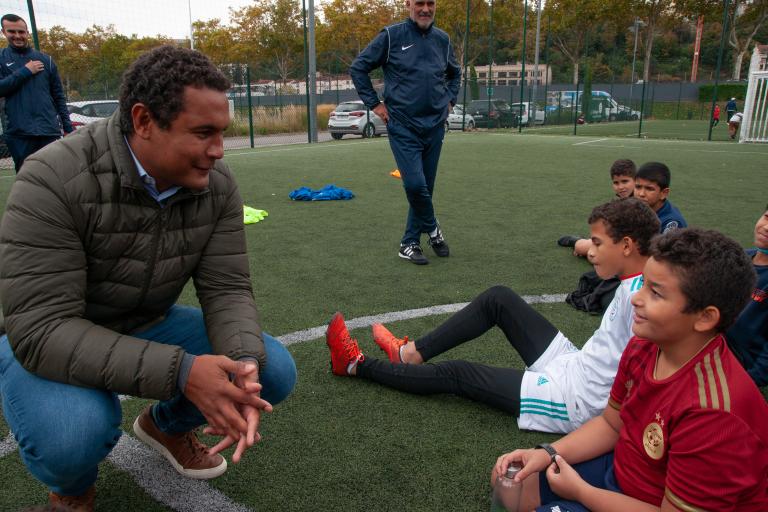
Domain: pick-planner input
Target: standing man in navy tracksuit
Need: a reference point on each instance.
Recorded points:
(421, 82)
(34, 97)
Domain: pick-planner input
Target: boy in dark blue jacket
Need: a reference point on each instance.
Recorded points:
(421, 82)
(34, 97)
(652, 186)
(749, 335)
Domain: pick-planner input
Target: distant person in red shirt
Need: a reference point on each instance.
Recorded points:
(685, 428)
(716, 116)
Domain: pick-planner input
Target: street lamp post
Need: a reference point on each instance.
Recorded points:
(536, 60)
(635, 28)
(489, 87)
(522, 69)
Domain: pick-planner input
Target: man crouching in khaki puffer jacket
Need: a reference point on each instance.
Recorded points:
(101, 232)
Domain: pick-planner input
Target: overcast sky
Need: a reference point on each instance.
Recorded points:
(141, 17)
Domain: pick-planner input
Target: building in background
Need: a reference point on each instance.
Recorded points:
(509, 74)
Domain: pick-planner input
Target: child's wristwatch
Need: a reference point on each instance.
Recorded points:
(547, 448)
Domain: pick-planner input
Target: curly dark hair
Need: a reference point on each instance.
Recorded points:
(623, 167)
(158, 78)
(628, 217)
(713, 270)
(655, 172)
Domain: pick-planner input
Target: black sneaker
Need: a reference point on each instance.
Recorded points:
(412, 253)
(567, 241)
(437, 243)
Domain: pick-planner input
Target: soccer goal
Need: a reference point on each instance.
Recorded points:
(754, 126)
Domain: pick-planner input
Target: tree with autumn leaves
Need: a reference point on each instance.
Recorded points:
(268, 36)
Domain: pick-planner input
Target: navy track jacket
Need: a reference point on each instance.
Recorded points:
(34, 103)
(421, 75)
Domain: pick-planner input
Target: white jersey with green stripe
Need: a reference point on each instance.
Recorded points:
(566, 387)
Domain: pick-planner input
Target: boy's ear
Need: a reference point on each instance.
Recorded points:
(629, 246)
(707, 320)
(664, 193)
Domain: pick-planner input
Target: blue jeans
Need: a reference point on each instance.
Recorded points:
(417, 156)
(64, 431)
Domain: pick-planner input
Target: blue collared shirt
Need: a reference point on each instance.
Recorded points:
(149, 182)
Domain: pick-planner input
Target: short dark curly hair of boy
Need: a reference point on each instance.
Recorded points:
(713, 270)
(628, 217)
(623, 167)
(655, 172)
(158, 79)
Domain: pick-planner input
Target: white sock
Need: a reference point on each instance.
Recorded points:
(400, 353)
(351, 366)
(433, 234)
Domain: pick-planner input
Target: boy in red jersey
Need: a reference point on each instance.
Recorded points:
(685, 427)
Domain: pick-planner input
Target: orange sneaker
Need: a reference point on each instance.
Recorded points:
(343, 347)
(388, 342)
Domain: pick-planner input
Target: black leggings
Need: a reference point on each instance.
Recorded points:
(526, 330)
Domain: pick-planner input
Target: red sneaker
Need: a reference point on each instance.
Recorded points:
(388, 342)
(343, 347)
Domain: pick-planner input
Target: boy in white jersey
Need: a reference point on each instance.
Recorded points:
(562, 386)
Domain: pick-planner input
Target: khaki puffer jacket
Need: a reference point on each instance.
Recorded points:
(87, 256)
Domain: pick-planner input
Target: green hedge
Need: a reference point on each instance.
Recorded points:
(724, 92)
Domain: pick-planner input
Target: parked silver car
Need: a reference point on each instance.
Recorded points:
(353, 117)
(86, 112)
(454, 120)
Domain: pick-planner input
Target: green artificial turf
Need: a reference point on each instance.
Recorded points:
(502, 200)
(651, 128)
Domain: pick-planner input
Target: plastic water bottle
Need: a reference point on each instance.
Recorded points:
(507, 492)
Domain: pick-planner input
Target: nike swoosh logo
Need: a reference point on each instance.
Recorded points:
(406, 47)
(9, 64)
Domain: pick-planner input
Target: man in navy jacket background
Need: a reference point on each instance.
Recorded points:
(34, 98)
(421, 82)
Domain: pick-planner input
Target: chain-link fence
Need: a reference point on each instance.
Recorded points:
(573, 67)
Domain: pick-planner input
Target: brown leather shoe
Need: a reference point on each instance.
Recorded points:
(185, 452)
(83, 503)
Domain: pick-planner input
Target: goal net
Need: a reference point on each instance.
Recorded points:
(754, 126)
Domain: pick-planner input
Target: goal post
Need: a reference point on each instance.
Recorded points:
(754, 126)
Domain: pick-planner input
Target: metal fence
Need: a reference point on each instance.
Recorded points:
(542, 74)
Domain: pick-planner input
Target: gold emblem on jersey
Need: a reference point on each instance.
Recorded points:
(653, 438)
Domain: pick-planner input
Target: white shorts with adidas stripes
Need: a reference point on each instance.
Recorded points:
(542, 401)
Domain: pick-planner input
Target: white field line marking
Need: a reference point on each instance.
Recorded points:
(633, 135)
(624, 146)
(589, 142)
(365, 321)
(158, 478)
(7, 445)
(686, 149)
(298, 145)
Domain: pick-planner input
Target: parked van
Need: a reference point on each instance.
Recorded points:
(603, 106)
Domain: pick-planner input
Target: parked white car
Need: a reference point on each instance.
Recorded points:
(455, 118)
(353, 117)
(528, 113)
(87, 112)
(612, 111)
